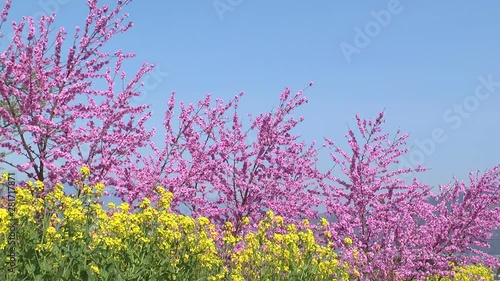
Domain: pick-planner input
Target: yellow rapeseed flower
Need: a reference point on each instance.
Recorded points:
(348, 241)
(5, 177)
(78, 236)
(58, 191)
(39, 185)
(95, 269)
(74, 211)
(270, 214)
(51, 231)
(145, 203)
(203, 221)
(324, 222)
(55, 219)
(279, 221)
(85, 171)
(87, 189)
(124, 207)
(165, 198)
(291, 228)
(99, 187)
(160, 190)
(4, 227)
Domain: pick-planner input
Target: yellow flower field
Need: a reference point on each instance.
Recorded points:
(63, 237)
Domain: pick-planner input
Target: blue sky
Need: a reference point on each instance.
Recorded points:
(422, 65)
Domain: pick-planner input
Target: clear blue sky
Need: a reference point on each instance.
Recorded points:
(421, 64)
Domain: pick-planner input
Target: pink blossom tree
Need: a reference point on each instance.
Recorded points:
(397, 232)
(58, 100)
(464, 219)
(44, 86)
(215, 169)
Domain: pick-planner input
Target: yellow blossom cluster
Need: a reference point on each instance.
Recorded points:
(75, 236)
(58, 224)
(282, 250)
(4, 227)
(468, 273)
